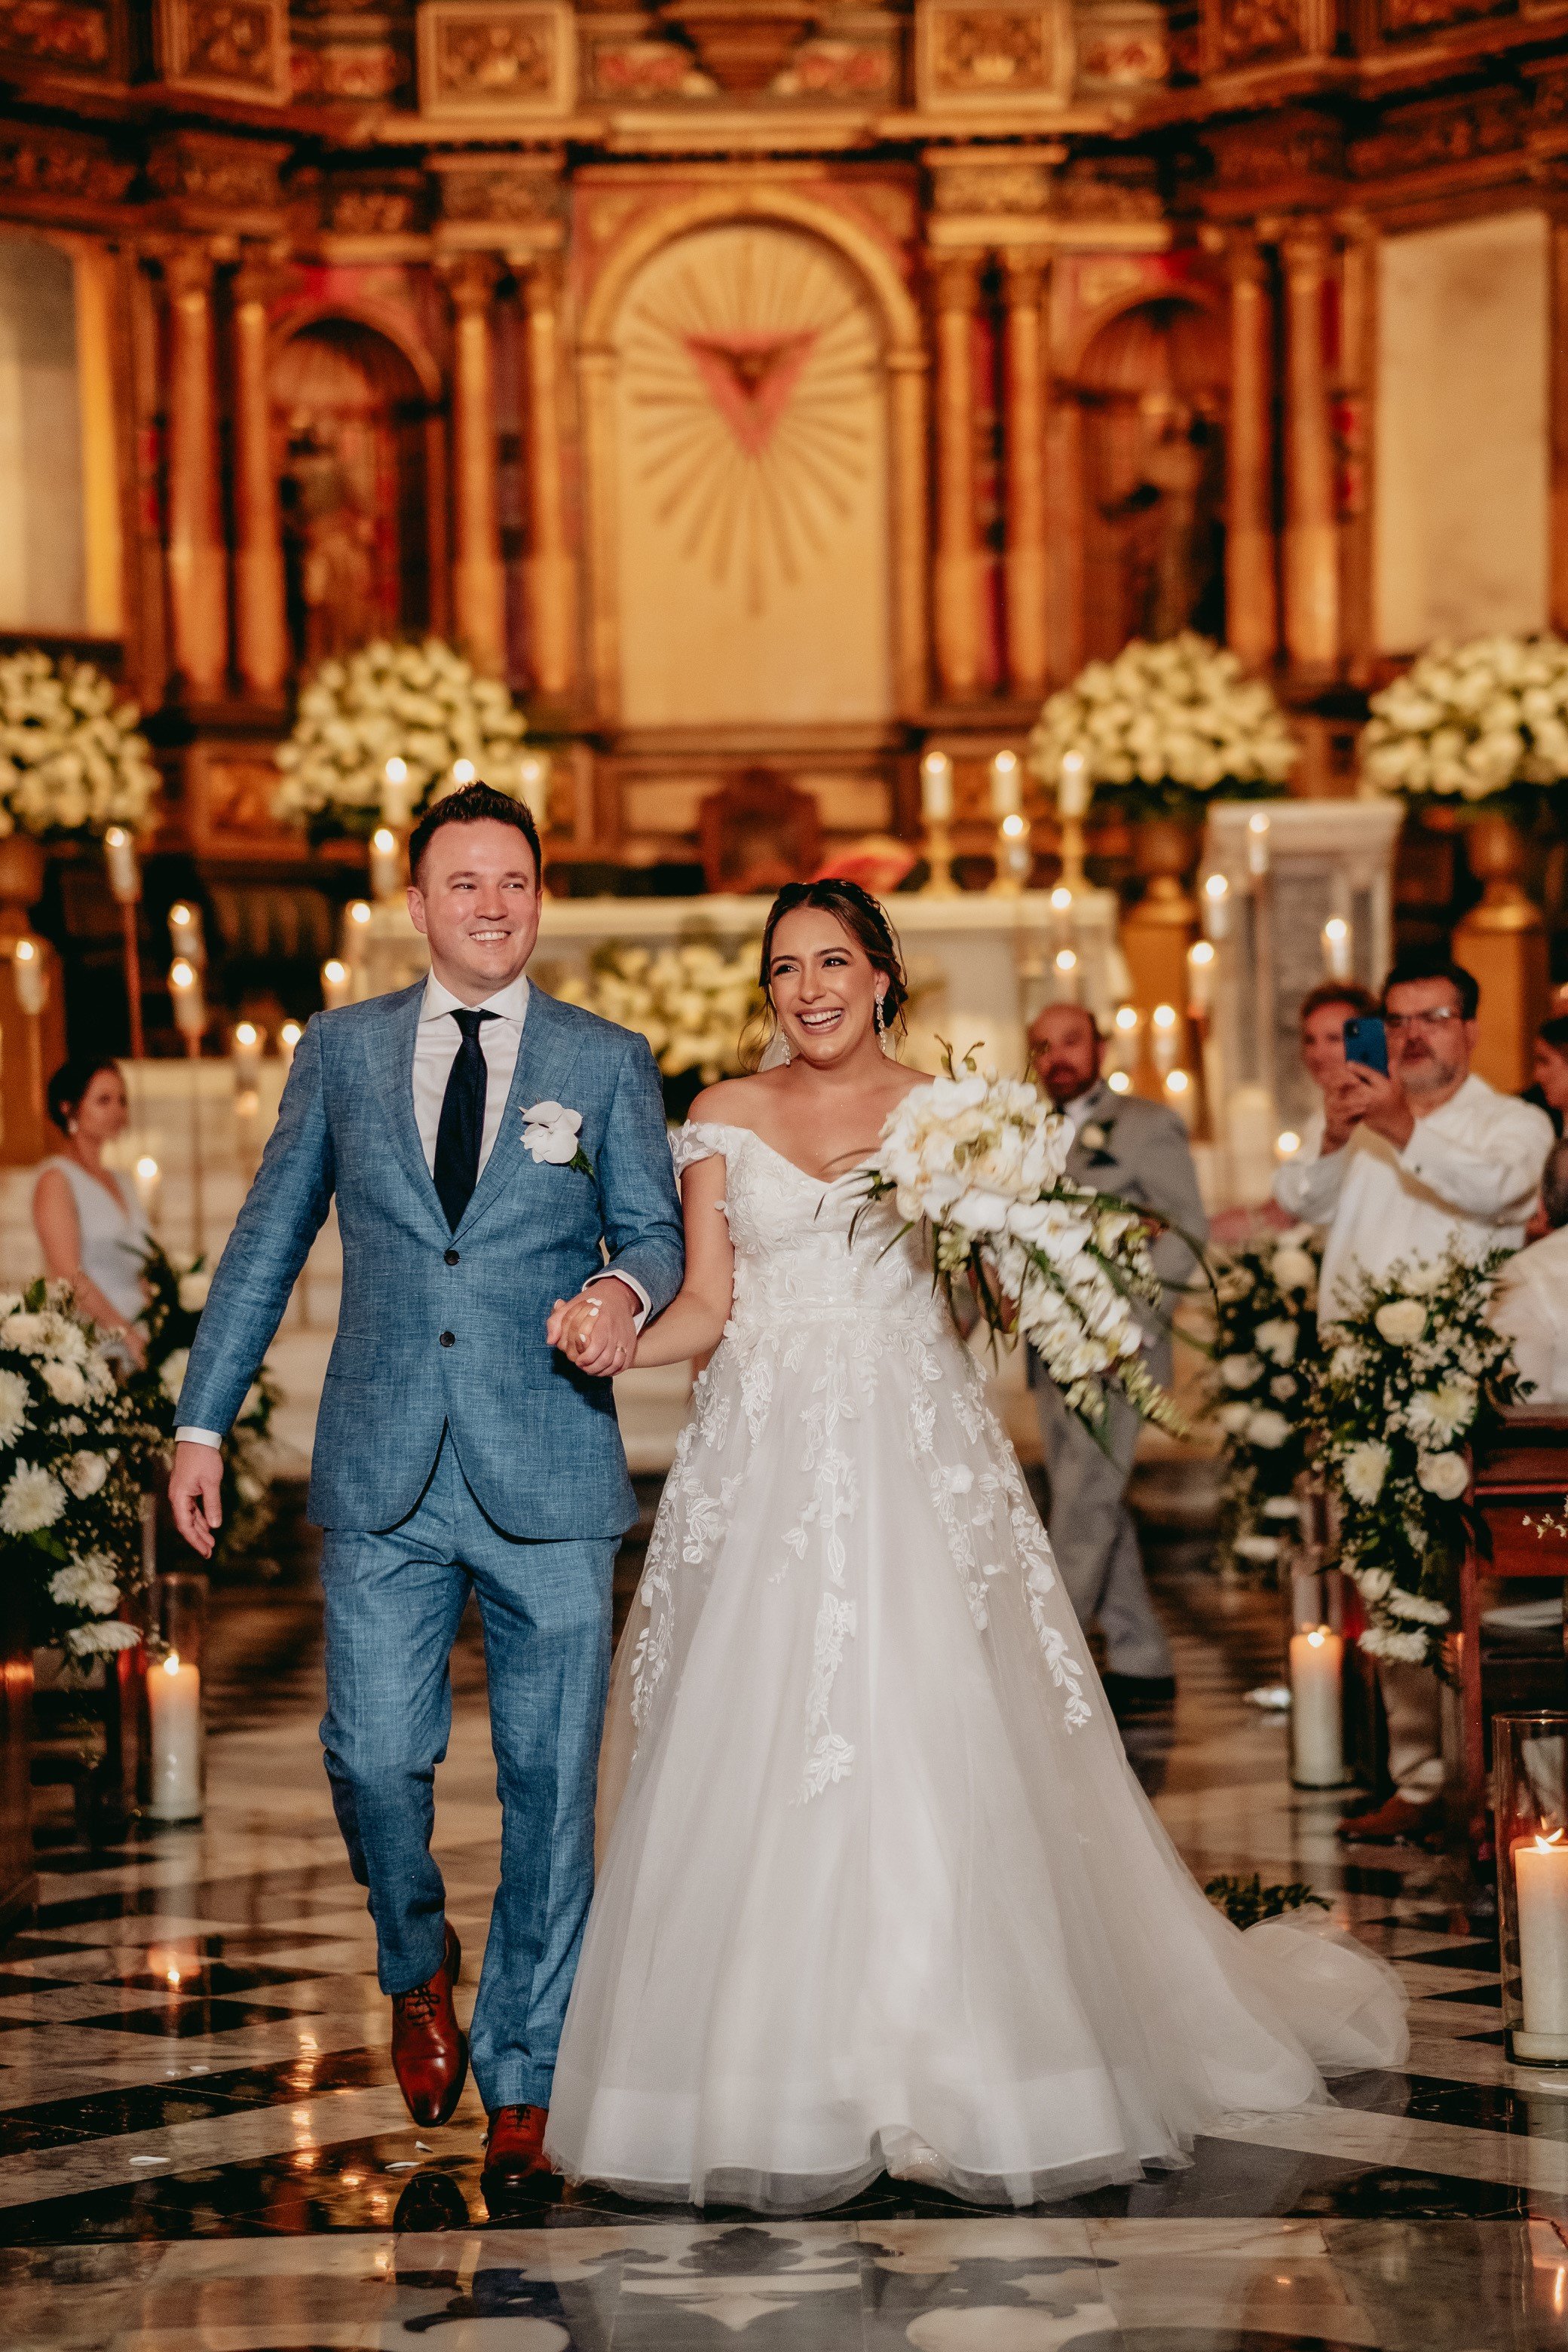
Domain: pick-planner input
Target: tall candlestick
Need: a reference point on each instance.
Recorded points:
(1337, 948)
(1007, 786)
(387, 874)
(1541, 1886)
(244, 1050)
(190, 1003)
(289, 1036)
(397, 794)
(185, 936)
(533, 770)
(175, 1740)
(124, 870)
(1317, 1744)
(336, 985)
(1074, 789)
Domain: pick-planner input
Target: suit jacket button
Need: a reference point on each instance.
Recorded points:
(451, 1257)
(448, 1339)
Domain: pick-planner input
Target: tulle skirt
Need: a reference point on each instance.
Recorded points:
(881, 1892)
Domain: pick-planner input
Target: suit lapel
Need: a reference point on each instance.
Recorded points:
(549, 1046)
(389, 1051)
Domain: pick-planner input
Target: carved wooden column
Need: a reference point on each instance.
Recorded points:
(550, 573)
(957, 566)
(478, 590)
(197, 562)
(260, 615)
(1026, 278)
(1311, 550)
(1558, 410)
(1251, 620)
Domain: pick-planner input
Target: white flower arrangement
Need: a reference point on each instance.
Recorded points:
(1266, 1349)
(1413, 1377)
(693, 1003)
(74, 1450)
(1171, 725)
(72, 757)
(980, 1161)
(423, 704)
(1466, 723)
(175, 1298)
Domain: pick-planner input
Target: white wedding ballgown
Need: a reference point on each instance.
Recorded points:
(882, 1893)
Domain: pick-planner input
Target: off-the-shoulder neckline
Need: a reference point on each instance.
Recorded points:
(729, 1127)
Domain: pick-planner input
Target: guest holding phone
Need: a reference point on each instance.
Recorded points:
(1406, 1160)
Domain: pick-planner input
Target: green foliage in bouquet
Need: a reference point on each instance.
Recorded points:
(1413, 1375)
(169, 1320)
(75, 1454)
(1266, 1353)
(1247, 1901)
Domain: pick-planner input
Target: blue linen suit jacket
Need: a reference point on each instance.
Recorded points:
(443, 1330)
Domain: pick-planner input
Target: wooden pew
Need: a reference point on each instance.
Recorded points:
(1523, 1475)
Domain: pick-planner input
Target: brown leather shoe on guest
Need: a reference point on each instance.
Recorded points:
(430, 2048)
(518, 2175)
(1396, 1823)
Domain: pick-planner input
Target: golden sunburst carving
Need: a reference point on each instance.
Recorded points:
(749, 356)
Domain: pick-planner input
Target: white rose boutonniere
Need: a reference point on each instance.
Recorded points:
(1093, 1136)
(549, 1135)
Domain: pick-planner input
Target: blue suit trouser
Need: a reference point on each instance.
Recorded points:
(394, 1602)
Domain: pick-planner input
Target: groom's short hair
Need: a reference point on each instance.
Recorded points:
(473, 805)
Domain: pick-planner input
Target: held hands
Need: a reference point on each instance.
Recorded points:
(596, 1330)
(1363, 1097)
(195, 1494)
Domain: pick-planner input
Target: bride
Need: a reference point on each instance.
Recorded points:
(882, 1893)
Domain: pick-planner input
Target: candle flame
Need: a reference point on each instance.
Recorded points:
(24, 951)
(172, 1663)
(396, 772)
(1004, 763)
(1318, 1635)
(332, 972)
(247, 1035)
(1165, 1016)
(1127, 1017)
(290, 1032)
(1177, 1082)
(384, 840)
(1551, 1843)
(1216, 886)
(359, 912)
(1336, 929)
(1066, 961)
(146, 1168)
(1061, 897)
(181, 974)
(1203, 953)
(463, 772)
(1012, 826)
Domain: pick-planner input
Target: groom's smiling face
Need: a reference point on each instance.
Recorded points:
(477, 902)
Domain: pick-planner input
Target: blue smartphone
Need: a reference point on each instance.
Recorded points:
(1366, 1041)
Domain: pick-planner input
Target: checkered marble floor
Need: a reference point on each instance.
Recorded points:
(202, 2147)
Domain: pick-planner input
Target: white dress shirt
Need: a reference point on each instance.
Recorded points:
(1468, 1177)
(436, 1044)
(1530, 1307)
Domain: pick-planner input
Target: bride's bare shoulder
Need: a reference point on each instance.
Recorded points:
(733, 1102)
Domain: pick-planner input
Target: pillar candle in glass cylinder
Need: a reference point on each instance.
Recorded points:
(1541, 1891)
(174, 1740)
(1316, 1735)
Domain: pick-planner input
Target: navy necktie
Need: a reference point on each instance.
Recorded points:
(462, 1127)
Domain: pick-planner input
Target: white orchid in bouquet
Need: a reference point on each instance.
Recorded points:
(980, 1161)
(1413, 1378)
(423, 704)
(693, 1003)
(1266, 1347)
(75, 1450)
(1168, 726)
(1469, 723)
(72, 757)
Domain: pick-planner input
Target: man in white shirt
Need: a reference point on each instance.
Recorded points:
(1530, 1304)
(1409, 1165)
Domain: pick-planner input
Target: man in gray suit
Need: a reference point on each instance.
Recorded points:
(489, 1150)
(1139, 1152)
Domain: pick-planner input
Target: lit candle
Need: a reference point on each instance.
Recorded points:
(1073, 787)
(1316, 1748)
(396, 794)
(120, 858)
(1258, 844)
(1337, 946)
(174, 1740)
(1541, 1886)
(186, 932)
(463, 772)
(145, 1178)
(936, 788)
(190, 1005)
(245, 1049)
(1287, 1143)
(359, 914)
(289, 1037)
(385, 863)
(1007, 786)
(1201, 962)
(534, 772)
(1178, 1090)
(1216, 906)
(30, 976)
(335, 983)
(1166, 1024)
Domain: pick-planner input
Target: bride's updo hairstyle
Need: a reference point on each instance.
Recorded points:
(865, 921)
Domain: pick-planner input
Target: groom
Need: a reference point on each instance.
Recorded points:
(490, 1149)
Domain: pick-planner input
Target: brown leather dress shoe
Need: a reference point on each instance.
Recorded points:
(1396, 1822)
(517, 2174)
(430, 2048)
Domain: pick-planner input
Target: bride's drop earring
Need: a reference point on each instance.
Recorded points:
(881, 1026)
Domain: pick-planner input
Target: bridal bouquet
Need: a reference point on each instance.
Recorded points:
(176, 1297)
(980, 1161)
(1412, 1376)
(1468, 722)
(72, 756)
(1265, 1345)
(1169, 727)
(74, 1449)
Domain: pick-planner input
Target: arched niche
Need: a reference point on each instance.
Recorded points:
(753, 391)
(357, 441)
(1149, 389)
